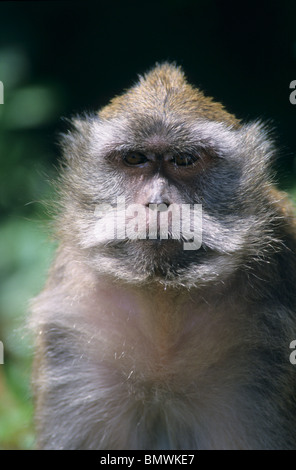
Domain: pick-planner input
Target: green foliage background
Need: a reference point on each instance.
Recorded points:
(60, 58)
(25, 247)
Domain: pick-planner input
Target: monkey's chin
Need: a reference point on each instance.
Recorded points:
(158, 250)
(161, 261)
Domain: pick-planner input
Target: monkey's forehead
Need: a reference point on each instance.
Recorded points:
(171, 135)
(164, 91)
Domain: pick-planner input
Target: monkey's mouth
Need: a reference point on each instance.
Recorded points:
(175, 224)
(157, 244)
(158, 252)
(163, 232)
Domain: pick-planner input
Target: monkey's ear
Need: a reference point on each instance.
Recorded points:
(255, 153)
(82, 123)
(75, 141)
(258, 138)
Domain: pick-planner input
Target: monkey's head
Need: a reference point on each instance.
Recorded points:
(160, 145)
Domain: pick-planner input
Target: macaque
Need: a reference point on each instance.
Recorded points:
(180, 340)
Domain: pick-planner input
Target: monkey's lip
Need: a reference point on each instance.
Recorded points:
(146, 241)
(168, 246)
(158, 242)
(157, 239)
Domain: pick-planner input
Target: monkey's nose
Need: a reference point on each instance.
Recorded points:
(160, 206)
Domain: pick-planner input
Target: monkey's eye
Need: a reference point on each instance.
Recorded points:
(184, 160)
(134, 159)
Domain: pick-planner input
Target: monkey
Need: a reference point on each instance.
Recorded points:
(141, 344)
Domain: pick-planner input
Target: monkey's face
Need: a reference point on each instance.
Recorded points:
(155, 190)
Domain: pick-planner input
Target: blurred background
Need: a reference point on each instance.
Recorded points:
(62, 58)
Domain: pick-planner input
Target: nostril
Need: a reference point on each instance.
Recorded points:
(158, 206)
(162, 207)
